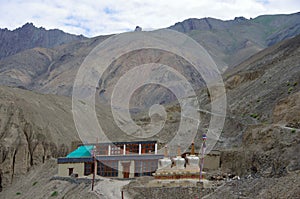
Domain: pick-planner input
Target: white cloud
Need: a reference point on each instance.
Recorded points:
(92, 18)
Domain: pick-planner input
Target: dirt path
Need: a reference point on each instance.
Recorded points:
(110, 189)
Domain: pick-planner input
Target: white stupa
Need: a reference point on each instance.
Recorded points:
(193, 160)
(166, 162)
(179, 162)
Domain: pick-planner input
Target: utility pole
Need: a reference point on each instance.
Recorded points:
(94, 161)
(203, 148)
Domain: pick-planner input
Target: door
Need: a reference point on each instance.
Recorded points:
(126, 169)
(71, 171)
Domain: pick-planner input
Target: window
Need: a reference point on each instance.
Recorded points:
(102, 149)
(132, 148)
(88, 168)
(115, 150)
(138, 166)
(148, 148)
(144, 167)
(107, 168)
(149, 166)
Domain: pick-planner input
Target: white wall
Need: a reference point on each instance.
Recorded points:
(63, 169)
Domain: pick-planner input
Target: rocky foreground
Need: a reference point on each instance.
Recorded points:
(41, 182)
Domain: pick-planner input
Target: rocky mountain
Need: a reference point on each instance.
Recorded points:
(33, 128)
(28, 36)
(46, 70)
(228, 42)
(260, 138)
(261, 133)
(231, 42)
(263, 103)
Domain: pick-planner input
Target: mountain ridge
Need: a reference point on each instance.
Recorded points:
(29, 36)
(234, 42)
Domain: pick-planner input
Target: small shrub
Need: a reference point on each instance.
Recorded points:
(33, 184)
(265, 81)
(288, 84)
(258, 100)
(54, 193)
(293, 131)
(295, 83)
(290, 90)
(254, 115)
(18, 193)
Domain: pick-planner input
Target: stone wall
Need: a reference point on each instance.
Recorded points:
(63, 169)
(212, 161)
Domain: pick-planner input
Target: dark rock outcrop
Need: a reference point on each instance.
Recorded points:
(29, 36)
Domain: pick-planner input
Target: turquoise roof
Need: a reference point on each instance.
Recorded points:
(82, 151)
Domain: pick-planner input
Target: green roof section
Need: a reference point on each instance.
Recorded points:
(82, 151)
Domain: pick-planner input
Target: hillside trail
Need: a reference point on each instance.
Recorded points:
(109, 188)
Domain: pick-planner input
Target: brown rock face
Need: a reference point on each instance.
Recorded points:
(287, 111)
(264, 99)
(28, 134)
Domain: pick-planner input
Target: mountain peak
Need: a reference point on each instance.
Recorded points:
(28, 24)
(29, 36)
(240, 19)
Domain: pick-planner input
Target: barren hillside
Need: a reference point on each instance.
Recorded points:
(33, 128)
(228, 42)
(263, 102)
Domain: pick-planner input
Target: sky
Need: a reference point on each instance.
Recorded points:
(100, 17)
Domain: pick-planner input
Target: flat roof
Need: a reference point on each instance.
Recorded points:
(112, 157)
(131, 157)
(74, 160)
(115, 143)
